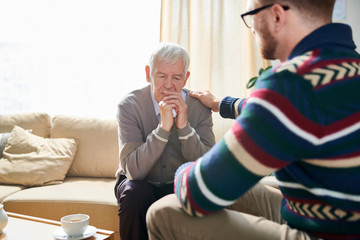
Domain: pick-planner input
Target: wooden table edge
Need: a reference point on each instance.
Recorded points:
(53, 222)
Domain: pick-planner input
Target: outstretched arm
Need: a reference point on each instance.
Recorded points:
(229, 107)
(259, 143)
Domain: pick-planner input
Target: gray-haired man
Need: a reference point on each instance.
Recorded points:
(160, 128)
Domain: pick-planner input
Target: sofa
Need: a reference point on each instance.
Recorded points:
(75, 173)
(52, 166)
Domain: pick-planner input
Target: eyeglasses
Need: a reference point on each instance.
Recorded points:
(248, 17)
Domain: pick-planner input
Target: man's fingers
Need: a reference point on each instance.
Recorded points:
(198, 94)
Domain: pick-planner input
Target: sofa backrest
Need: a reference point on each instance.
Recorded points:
(39, 123)
(97, 154)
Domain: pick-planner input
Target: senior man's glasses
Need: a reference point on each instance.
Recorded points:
(248, 17)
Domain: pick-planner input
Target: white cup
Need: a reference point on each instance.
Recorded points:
(75, 224)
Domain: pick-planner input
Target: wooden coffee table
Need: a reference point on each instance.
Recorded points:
(26, 227)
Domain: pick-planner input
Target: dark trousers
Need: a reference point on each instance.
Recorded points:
(134, 198)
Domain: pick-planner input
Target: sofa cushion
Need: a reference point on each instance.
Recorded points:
(7, 190)
(39, 123)
(32, 160)
(97, 154)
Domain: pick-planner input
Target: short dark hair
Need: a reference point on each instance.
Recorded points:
(309, 8)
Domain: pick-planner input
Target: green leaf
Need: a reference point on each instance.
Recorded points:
(261, 71)
(253, 80)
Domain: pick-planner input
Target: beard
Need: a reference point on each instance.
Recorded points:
(267, 42)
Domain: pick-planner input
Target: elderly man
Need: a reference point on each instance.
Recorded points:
(302, 122)
(160, 128)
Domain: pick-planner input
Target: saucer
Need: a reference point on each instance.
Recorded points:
(60, 234)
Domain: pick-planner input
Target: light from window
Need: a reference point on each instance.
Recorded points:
(75, 57)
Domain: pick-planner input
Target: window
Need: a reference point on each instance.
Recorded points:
(75, 57)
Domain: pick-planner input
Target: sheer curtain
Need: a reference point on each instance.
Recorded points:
(76, 57)
(222, 50)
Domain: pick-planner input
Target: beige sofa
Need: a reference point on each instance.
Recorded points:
(87, 167)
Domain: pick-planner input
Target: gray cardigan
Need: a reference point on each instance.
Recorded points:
(151, 153)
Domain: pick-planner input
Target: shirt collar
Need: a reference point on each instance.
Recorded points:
(330, 34)
(184, 94)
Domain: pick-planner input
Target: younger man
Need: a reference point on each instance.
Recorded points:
(302, 121)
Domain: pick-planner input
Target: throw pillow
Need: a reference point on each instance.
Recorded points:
(31, 160)
(4, 137)
(3, 140)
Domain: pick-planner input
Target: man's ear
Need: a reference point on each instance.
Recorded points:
(279, 16)
(186, 78)
(147, 72)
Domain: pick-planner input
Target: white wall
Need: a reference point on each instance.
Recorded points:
(353, 19)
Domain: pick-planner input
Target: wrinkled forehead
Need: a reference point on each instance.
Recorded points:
(168, 63)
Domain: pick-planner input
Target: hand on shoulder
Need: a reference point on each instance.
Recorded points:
(207, 98)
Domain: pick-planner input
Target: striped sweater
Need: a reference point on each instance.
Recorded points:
(301, 122)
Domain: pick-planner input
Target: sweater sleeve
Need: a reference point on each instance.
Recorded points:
(133, 148)
(196, 140)
(231, 107)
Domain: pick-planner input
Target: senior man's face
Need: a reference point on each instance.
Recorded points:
(167, 76)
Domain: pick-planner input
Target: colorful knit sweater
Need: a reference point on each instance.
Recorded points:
(301, 122)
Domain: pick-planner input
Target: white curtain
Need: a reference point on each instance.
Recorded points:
(222, 49)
